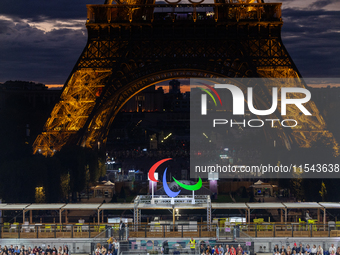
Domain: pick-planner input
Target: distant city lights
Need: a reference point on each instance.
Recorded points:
(167, 136)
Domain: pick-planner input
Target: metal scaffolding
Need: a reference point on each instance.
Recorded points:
(209, 213)
(143, 202)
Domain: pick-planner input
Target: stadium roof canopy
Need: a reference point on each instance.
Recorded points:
(147, 205)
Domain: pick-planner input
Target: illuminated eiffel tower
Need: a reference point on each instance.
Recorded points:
(134, 44)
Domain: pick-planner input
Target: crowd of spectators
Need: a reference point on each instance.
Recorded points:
(219, 249)
(113, 246)
(34, 251)
(308, 250)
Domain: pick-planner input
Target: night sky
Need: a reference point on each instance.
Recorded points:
(41, 40)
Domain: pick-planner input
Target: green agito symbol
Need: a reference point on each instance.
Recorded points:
(196, 186)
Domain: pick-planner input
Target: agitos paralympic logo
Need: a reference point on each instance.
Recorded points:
(167, 190)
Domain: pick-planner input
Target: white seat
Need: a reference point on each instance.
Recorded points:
(13, 227)
(25, 227)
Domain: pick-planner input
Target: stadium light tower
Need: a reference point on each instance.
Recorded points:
(213, 178)
(152, 186)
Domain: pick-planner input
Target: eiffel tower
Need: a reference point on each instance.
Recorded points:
(133, 44)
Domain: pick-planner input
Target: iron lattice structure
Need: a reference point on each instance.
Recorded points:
(135, 44)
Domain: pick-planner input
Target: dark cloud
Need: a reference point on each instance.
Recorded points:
(312, 39)
(38, 10)
(30, 52)
(322, 3)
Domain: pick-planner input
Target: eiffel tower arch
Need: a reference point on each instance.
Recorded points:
(135, 44)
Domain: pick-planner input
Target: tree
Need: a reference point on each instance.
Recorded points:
(122, 193)
(296, 184)
(244, 193)
(40, 196)
(65, 185)
(114, 199)
(323, 191)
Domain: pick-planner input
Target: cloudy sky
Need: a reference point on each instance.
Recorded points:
(41, 40)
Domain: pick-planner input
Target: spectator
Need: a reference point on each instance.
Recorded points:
(110, 242)
(109, 252)
(16, 250)
(227, 250)
(320, 250)
(166, 247)
(220, 249)
(116, 248)
(332, 248)
(23, 249)
(208, 249)
(121, 230)
(214, 250)
(308, 250)
(307, 217)
(202, 250)
(98, 249)
(66, 250)
(48, 249)
(103, 250)
(232, 250)
(239, 248)
(60, 251)
(338, 251)
(301, 249)
(283, 249)
(295, 248)
(276, 249)
(289, 250)
(314, 250)
(35, 250)
(11, 249)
